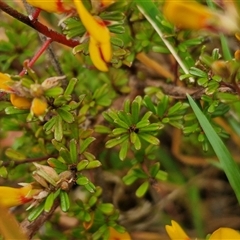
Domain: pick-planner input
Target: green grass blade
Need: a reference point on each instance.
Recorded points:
(228, 164)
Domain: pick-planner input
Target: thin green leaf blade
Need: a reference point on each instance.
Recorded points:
(228, 164)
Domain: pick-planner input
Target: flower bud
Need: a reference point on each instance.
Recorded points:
(20, 102)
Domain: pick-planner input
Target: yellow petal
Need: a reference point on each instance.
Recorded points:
(20, 102)
(96, 57)
(96, 28)
(39, 106)
(117, 235)
(175, 232)
(190, 15)
(54, 6)
(225, 234)
(10, 197)
(106, 51)
(5, 82)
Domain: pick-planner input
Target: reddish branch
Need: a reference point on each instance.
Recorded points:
(55, 36)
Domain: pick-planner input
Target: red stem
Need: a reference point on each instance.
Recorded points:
(36, 13)
(37, 55)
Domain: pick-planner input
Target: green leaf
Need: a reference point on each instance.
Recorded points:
(125, 117)
(153, 127)
(161, 175)
(93, 164)
(70, 87)
(197, 72)
(64, 201)
(58, 131)
(102, 129)
(121, 123)
(138, 172)
(35, 213)
(115, 141)
(49, 202)
(90, 187)
(65, 154)
(137, 143)
(4, 105)
(149, 138)
(135, 109)
(154, 169)
(73, 150)
(119, 131)
(53, 92)
(142, 124)
(228, 164)
(82, 181)
(142, 189)
(162, 106)
(149, 104)
(106, 208)
(15, 155)
(82, 165)
(53, 162)
(129, 179)
(84, 145)
(65, 115)
(174, 109)
(123, 150)
(13, 110)
(49, 125)
(146, 116)
(92, 201)
(3, 172)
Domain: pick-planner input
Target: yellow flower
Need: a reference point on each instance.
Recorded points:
(95, 51)
(10, 197)
(20, 102)
(225, 234)
(99, 46)
(188, 15)
(54, 6)
(115, 235)
(39, 106)
(5, 82)
(175, 232)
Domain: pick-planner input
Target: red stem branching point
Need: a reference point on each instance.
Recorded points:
(35, 14)
(36, 56)
(55, 36)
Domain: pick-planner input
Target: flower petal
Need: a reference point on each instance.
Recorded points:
(192, 15)
(95, 27)
(96, 56)
(10, 197)
(225, 234)
(175, 232)
(5, 82)
(20, 102)
(117, 235)
(54, 6)
(39, 106)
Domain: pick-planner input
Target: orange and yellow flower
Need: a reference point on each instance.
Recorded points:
(175, 232)
(114, 234)
(190, 15)
(55, 6)
(11, 197)
(37, 105)
(99, 45)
